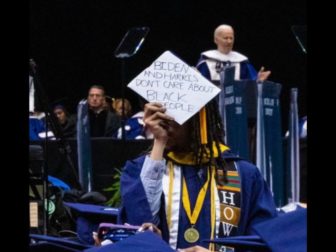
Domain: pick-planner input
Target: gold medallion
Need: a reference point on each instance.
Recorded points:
(191, 235)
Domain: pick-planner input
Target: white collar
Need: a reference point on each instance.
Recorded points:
(231, 56)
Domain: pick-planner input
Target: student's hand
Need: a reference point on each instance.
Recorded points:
(263, 75)
(156, 120)
(97, 241)
(194, 249)
(150, 227)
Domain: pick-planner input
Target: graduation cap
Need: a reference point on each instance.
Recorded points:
(94, 211)
(176, 85)
(61, 103)
(51, 243)
(181, 89)
(89, 217)
(287, 232)
(254, 243)
(141, 242)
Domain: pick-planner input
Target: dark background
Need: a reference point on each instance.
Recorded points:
(73, 41)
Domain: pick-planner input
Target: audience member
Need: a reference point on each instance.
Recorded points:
(103, 123)
(117, 105)
(134, 126)
(66, 121)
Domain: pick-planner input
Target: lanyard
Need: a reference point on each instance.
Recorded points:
(199, 201)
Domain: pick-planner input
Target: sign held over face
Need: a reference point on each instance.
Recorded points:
(181, 89)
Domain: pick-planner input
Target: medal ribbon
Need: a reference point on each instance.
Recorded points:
(199, 201)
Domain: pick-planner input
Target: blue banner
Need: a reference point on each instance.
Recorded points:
(269, 139)
(84, 146)
(234, 115)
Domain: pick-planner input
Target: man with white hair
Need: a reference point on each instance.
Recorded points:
(212, 62)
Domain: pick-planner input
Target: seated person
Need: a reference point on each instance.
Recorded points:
(117, 105)
(135, 128)
(103, 123)
(66, 121)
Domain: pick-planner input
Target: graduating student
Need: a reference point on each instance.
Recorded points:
(190, 185)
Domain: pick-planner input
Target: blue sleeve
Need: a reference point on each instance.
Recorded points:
(135, 209)
(202, 67)
(151, 175)
(257, 200)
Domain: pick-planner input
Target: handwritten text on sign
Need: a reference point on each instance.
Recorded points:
(180, 88)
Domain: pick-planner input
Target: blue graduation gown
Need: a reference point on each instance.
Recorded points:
(256, 200)
(246, 71)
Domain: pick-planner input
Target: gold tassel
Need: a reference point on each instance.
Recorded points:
(203, 126)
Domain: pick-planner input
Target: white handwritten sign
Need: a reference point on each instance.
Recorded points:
(180, 88)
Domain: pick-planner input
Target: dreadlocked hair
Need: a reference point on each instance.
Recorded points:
(215, 134)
